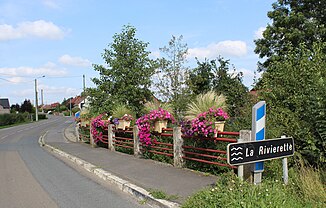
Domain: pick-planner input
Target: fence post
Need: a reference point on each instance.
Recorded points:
(137, 151)
(91, 139)
(244, 171)
(77, 132)
(177, 147)
(110, 137)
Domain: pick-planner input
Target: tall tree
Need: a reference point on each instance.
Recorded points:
(229, 82)
(200, 79)
(216, 75)
(172, 74)
(27, 107)
(125, 78)
(295, 91)
(293, 22)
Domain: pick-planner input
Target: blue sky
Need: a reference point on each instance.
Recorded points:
(62, 38)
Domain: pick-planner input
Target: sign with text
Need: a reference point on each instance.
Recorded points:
(255, 151)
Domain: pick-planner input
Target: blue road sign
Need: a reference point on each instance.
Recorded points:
(258, 128)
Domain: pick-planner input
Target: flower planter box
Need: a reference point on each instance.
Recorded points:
(123, 124)
(219, 126)
(159, 125)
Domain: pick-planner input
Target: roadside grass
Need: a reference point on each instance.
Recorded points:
(159, 194)
(305, 189)
(16, 124)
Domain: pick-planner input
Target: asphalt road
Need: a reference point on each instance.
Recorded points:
(32, 177)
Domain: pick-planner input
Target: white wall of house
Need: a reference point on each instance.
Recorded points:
(4, 111)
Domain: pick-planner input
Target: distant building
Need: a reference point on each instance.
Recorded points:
(4, 105)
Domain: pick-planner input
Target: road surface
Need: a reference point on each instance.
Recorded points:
(32, 177)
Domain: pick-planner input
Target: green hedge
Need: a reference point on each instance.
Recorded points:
(9, 119)
(12, 118)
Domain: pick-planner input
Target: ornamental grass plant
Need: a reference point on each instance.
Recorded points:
(120, 111)
(204, 102)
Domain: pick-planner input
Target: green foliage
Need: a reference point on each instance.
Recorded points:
(75, 110)
(157, 157)
(155, 105)
(13, 118)
(200, 79)
(172, 75)
(215, 75)
(123, 149)
(159, 194)
(126, 76)
(15, 108)
(27, 107)
(204, 102)
(207, 144)
(231, 192)
(230, 85)
(120, 110)
(295, 91)
(293, 22)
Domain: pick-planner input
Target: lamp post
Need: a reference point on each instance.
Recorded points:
(36, 99)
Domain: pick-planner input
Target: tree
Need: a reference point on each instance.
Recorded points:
(27, 107)
(15, 107)
(295, 91)
(172, 75)
(216, 75)
(293, 22)
(230, 84)
(200, 79)
(125, 79)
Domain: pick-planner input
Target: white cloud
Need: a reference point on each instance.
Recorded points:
(74, 61)
(225, 48)
(259, 33)
(64, 91)
(39, 28)
(52, 4)
(49, 69)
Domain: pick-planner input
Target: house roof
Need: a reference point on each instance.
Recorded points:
(77, 100)
(4, 102)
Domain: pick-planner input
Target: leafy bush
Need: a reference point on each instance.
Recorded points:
(9, 119)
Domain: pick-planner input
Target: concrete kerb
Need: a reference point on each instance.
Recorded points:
(122, 184)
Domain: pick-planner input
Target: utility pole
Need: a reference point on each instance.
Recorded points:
(42, 101)
(84, 85)
(36, 102)
(70, 105)
(36, 99)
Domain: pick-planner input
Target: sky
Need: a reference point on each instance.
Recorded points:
(56, 41)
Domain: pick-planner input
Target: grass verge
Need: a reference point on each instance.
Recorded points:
(305, 189)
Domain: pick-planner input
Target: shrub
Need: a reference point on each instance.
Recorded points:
(9, 119)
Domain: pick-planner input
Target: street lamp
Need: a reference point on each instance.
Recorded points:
(36, 98)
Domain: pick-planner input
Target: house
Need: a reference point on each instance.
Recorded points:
(4, 105)
(80, 102)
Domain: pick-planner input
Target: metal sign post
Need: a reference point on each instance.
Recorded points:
(258, 134)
